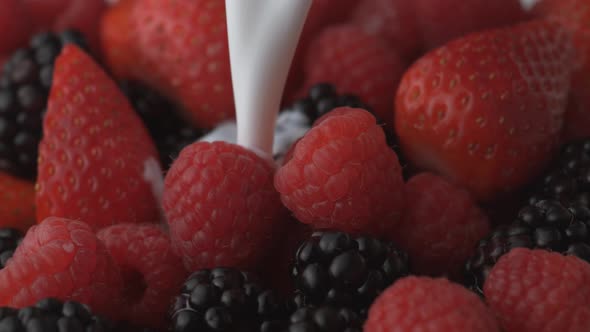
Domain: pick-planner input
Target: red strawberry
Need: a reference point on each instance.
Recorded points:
(487, 110)
(358, 63)
(574, 15)
(96, 160)
(58, 15)
(116, 38)
(182, 51)
(442, 20)
(393, 20)
(14, 26)
(17, 203)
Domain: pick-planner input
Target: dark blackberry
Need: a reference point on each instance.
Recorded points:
(322, 98)
(325, 318)
(568, 179)
(225, 299)
(548, 225)
(171, 133)
(338, 269)
(24, 87)
(10, 238)
(52, 315)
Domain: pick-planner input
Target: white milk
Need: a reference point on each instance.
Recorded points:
(263, 35)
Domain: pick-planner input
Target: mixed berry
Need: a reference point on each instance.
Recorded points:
(405, 129)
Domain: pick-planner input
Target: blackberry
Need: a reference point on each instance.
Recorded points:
(547, 224)
(52, 315)
(9, 239)
(24, 87)
(322, 98)
(226, 299)
(171, 133)
(341, 270)
(568, 180)
(325, 318)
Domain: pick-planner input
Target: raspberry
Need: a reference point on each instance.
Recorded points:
(540, 291)
(356, 62)
(221, 206)
(421, 304)
(441, 225)
(342, 175)
(63, 259)
(152, 274)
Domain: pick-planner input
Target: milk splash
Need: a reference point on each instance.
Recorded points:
(263, 36)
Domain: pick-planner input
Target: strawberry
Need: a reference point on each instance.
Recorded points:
(57, 15)
(17, 203)
(442, 20)
(179, 48)
(116, 38)
(356, 63)
(574, 15)
(392, 20)
(14, 26)
(97, 162)
(486, 110)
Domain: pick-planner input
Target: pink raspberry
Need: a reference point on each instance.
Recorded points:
(540, 291)
(221, 206)
(358, 63)
(421, 304)
(343, 176)
(441, 226)
(63, 259)
(152, 273)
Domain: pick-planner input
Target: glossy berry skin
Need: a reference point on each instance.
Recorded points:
(356, 63)
(18, 202)
(63, 259)
(10, 238)
(238, 210)
(416, 304)
(535, 290)
(26, 79)
(324, 319)
(97, 162)
(337, 269)
(180, 48)
(483, 112)
(53, 315)
(442, 21)
(342, 175)
(169, 130)
(547, 225)
(152, 273)
(441, 226)
(573, 15)
(568, 179)
(226, 300)
(392, 20)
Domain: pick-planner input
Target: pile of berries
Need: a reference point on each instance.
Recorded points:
(415, 118)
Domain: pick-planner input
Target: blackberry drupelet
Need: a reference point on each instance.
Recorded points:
(9, 239)
(226, 299)
(24, 87)
(338, 269)
(324, 318)
(568, 180)
(171, 133)
(321, 99)
(547, 224)
(52, 315)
